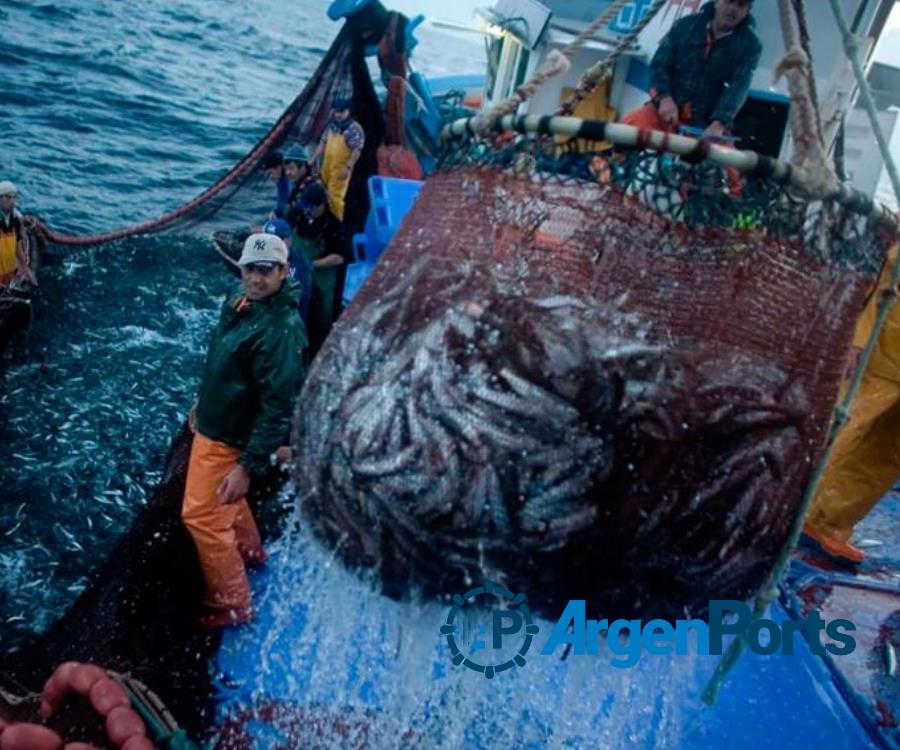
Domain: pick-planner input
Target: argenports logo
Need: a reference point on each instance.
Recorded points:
(513, 621)
(490, 630)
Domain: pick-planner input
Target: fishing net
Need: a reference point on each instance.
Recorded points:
(137, 613)
(585, 375)
(242, 195)
(602, 376)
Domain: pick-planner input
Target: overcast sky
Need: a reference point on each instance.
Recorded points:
(889, 47)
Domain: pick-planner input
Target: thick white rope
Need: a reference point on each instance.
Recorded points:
(556, 63)
(596, 74)
(816, 177)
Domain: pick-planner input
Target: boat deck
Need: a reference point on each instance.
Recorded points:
(330, 656)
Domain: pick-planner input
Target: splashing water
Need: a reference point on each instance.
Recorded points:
(332, 659)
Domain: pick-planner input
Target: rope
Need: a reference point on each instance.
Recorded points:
(225, 256)
(746, 162)
(556, 62)
(595, 75)
(809, 154)
(842, 413)
(239, 171)
(599, 23)
(806, 43)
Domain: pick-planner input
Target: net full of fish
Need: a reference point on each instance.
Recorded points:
(553, 384)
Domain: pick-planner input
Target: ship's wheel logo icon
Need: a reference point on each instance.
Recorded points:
(513, 624)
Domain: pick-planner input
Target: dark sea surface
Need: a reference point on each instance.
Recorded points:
(113, 112)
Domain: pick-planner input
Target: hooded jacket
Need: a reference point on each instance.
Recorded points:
(253, 372)
(714, 80)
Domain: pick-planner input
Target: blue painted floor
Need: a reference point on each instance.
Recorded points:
(326, 646)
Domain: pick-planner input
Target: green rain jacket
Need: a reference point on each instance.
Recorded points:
(253, 372)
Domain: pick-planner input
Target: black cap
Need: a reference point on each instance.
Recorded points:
(313, 196)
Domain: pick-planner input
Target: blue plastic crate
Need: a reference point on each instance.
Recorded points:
(356, 277)
(390, 200)
(360, 242)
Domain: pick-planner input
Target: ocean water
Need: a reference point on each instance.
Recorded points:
(113, 112)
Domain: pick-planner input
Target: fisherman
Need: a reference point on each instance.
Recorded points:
(339, 148)
(865, 462)
(702, 71)
(13, 255)
(298, 170)
(273, 165)
(253, 371)
(300, 268)
(318, 235)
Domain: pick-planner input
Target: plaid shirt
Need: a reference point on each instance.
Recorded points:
(711, 76)
(354, 135)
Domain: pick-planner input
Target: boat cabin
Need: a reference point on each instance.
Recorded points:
(520, 34)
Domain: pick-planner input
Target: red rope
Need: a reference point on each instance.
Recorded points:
(278, 131)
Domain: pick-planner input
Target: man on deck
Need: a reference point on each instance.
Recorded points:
(339, 149)
(13, 256)
(300, 268)
(253, 372)
(319, 236)
(273, 165)
(702, 71)
(865, 462)
(298, 170)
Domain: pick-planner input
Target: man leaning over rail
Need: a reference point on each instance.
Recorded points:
(702, 71)
(253, 372)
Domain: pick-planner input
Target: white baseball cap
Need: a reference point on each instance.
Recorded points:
(265, 249)
(8, 188)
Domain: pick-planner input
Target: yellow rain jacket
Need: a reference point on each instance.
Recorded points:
(10, 234)
(340, 144)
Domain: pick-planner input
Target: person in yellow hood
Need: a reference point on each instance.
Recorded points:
(13, 257)
(339, 148)
(865, 463)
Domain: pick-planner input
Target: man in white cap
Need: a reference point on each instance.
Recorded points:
(253, 372)
(13, 256)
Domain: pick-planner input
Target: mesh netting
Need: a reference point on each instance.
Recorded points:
(137, 613)
(602, 376)
(584, 390)
(241, 196)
